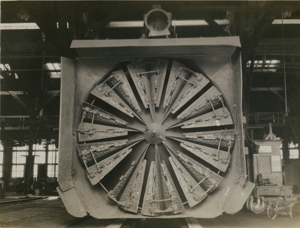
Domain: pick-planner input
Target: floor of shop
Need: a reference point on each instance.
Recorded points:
(50, 212)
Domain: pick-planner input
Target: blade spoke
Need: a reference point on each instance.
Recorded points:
(90, 132)
(216, 157)
(127, 192)
(97, 172)
(161, 196)
(202, 104)
(205, 177)
(90, 152)
(218, 117)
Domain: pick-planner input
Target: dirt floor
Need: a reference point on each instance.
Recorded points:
(52, 213)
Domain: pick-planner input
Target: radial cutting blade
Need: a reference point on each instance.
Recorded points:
(193, 85)
(216, 117)
(177, 79)
(222, 138)
(216, 157)
(211, 97)
(107, 94)
(130, 198)
(205, 177)
(161, 196)
(191, 189)
(91, 112)
(89, 152)
(119, 82)
(98, 171)
(149, 78)
(127, 192)
(89, 131)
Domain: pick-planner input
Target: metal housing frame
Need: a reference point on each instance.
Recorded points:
(218, 58)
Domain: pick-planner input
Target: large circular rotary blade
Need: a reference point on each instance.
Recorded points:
(158, 137)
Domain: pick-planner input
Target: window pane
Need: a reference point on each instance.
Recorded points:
(1, 157)
(1, 147)
(17, 171)
(40, 157)
(294, 153)
(35, 170)
(50, 170)
(19, 157)
(1, 170)
(38, 147)
(51, 147)
(53, 157)
(276, 163)
(19, 148)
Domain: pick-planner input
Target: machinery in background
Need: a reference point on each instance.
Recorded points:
(44, 185)
(270, 192)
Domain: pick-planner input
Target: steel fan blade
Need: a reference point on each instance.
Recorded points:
(96, 172)
(118, 81)
(191, 189)
(151, 202)
(217, 117)
(205, 177)
(222, 138)
(89, 132)
(91, 152)
(216, 157)
(127, 192)
(107, 94)
(161, 196)
(93, 113)
(157, 81)
(145, 74)
(211, 97)
(177, 79)
(193, 85)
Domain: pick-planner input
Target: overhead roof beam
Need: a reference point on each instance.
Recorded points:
(50, 92)
(18, 99)
(263, 89)
(260, 28)
(19, 26)
(177, 23)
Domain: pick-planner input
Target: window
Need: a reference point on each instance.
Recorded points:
(294, 151)
(19, 157)
(54, 69)
(1, 157)
(52, 170)
(17, 171)
(19, 160)
(52, 157)
(1, 160)
(41, 157)
(270, 65)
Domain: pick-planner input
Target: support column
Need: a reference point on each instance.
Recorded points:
(7, 161)
(285, 150)
(28, 177)
(46, 162)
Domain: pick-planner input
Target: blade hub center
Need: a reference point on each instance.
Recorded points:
(155, 133)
